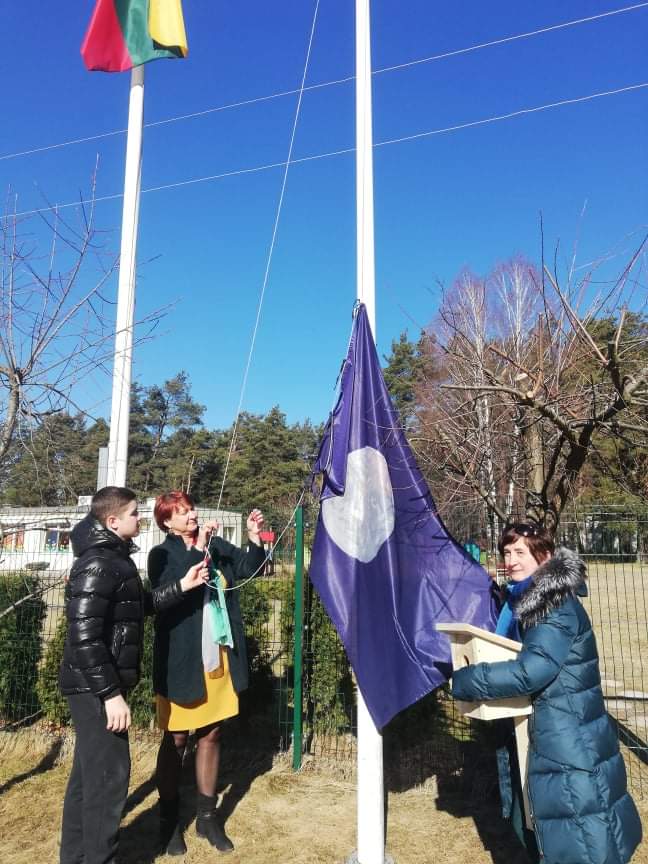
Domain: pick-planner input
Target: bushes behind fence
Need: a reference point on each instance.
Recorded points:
(256, 611)
(20, 646)
(52, 701)
(26, 689)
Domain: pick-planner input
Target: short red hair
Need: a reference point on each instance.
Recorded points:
(166, 506)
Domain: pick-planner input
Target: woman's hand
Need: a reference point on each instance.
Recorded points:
(205, 533)
(254, 526)
(195, 576)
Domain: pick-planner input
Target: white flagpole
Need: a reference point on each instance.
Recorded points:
(120, 410)
(371, 796)
(366, 280)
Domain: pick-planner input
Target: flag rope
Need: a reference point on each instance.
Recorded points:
(267, 557)
(273, 240)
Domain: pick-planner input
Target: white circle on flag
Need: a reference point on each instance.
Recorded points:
(362, 519)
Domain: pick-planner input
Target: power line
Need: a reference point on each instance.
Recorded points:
(505, 39)
(165, 121)
(511, 114)
(283, 93)
(426, 134)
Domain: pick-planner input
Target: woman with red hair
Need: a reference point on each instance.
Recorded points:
(199, 659)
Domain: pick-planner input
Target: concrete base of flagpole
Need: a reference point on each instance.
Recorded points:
(355, 860)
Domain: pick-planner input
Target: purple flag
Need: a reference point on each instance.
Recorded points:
(383, 562)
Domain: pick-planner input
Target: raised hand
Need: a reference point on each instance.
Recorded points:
(254, 526)
(205, 533)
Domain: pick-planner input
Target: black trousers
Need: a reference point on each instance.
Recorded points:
(97, 788)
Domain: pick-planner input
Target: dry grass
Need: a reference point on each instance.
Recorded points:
(618, 605)
(276, 816)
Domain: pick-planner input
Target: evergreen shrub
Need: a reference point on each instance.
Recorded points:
(255, 609)
(330, 692)
(20, 646)
(53, 702)
(141, 699)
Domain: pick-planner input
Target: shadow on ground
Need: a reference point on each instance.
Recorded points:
(248, 752)
(465, 777)
(476, 795)
(46, 764)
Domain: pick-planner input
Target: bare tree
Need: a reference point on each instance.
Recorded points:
(56, 322)
(537, 378)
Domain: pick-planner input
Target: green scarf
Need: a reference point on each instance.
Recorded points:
(221, 632)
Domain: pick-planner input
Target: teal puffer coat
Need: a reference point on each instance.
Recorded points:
(581, 808)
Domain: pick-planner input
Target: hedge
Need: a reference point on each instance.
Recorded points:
(256, 610)
(20, 646)
(52, 701)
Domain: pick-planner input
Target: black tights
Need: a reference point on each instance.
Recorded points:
(169, 761)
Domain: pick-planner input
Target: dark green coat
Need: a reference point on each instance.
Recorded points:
(177, 653)
(581, 808)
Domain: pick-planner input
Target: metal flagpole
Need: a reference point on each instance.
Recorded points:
(371, 809)
(120, 410)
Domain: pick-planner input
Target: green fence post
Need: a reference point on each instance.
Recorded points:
(299, 629)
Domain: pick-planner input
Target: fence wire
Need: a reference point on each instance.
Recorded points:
(429, 739)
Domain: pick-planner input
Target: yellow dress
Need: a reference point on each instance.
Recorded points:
(219, 703)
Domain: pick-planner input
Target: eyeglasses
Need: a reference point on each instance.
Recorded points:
(524, 529)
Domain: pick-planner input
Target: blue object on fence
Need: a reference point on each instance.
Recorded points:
(383, 562)
(473, 550)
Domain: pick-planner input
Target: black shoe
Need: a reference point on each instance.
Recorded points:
(171, 839)
(208, 824)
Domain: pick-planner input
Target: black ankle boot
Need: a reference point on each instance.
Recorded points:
(171, 839)
(208, 824)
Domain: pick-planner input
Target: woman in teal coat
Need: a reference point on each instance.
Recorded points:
(580, 807)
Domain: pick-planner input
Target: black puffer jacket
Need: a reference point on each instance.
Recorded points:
(105, 606)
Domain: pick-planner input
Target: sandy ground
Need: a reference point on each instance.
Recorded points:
(273, 814)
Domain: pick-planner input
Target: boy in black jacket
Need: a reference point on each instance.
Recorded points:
(105, 607)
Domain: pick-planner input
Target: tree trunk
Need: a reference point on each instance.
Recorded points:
(535, 499)
(6, 436)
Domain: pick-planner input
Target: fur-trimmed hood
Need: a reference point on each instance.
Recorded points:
(560, 577)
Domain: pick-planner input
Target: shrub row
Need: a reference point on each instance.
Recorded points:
(29, 686)
(20, 646)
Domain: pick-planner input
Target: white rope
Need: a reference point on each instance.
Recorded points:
(270, 252)
(282, 93)
(344, 150)
(267, 558)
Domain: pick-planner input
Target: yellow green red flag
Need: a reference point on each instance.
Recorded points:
(127, 33)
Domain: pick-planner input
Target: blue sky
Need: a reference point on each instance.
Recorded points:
(468, 197)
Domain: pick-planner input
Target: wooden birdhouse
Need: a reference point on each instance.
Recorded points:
(472, 645)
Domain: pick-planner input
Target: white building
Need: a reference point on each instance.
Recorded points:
(38, 538)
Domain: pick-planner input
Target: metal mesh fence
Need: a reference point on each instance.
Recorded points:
(35, 558)
(429, 738)
(613, 543)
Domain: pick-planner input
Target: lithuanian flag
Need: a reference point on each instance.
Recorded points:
(127, 33)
